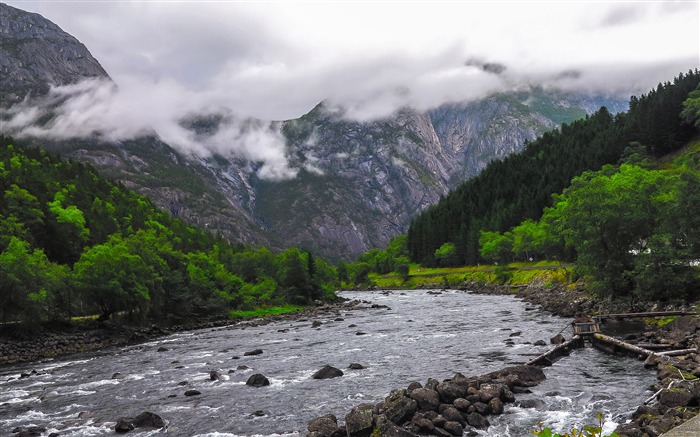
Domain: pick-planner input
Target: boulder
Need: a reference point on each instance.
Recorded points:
(148, 420)
(462, 405)
(356, 366)
(386, 428)
(449, 391)
(491, 391)
(398, 408)
(327, 372)
(193, 393)
(477, 421)
(124, 424)
(323, 426)
(162, 349)
(428, 400)
(557, 339)
(454, 428)
(359, 422)
(451, 414)
(316, 324)
(257, 380)
(214, 375)
(253, 353)
(422, 424)
(676, 397)
(414, 385)
(496, 406)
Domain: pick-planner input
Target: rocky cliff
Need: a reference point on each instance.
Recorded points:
(35, 54)
(358, 184)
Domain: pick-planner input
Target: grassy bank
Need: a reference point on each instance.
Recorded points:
(515, 274)
(263, 312)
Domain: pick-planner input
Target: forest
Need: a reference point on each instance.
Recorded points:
(74, 244)
(521, 186)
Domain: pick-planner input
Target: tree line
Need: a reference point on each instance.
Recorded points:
(74, 244)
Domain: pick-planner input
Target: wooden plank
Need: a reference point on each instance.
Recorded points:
(623, 345)
(678, 352)
(547, 358)
(649, 314)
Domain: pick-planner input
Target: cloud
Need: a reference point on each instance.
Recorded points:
(98, 108)
(276, 61)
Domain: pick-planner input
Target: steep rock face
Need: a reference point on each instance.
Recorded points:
(35, 54)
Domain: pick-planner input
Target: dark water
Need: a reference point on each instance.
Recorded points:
(421, 336)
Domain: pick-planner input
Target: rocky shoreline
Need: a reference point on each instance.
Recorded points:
(96, 336)
(677, 393)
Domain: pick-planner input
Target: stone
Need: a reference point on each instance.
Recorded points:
(496, 406)
(386, 428)
(359, 422)
(451, 414)
(356, 366)
(124, 424)
(427, 400)
(540, 343)
(214, 375)
(257, 380)
(477, 421)
(557, 339)
(253, 353)
(454, 428)
(676, 397)
(490, 391)
(193, 393)
(462, 405)
(148, 420)
(324, 426)
(327, 372)
(413, 386)
(316, 324)
(449, 391)
(162, 349)
(398, 408)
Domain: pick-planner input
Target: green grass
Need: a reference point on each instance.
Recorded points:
(521, 273)
(262, 312)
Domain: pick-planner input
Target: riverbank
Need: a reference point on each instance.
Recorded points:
(677, 393)
(92, 336)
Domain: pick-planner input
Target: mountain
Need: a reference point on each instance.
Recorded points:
(357, 184)
(35, 54)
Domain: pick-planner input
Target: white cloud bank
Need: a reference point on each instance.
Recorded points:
(276, 60)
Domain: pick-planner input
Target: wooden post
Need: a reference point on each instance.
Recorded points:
(622, 345)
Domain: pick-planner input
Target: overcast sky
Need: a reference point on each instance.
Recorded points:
(276, 60)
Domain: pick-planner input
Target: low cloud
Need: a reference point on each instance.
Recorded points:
(98, 108)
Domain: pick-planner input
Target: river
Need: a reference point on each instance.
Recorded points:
(422, 335)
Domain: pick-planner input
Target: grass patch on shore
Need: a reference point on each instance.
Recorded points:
(262, 312)
(521, 273)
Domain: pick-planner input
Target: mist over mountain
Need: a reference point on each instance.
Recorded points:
(326, 181)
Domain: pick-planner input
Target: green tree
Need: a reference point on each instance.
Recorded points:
(446, 255)
(496, 247)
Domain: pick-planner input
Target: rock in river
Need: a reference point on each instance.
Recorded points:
(257, 380)
(327, 372)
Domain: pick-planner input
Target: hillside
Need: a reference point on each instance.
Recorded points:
(520, 186)
(73, 244)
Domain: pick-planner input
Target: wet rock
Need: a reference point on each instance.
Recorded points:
(540, 343)
(257, 380)
(242, 367)
(490, 391)
(162, 349)
(356, 366)
(386, 428)
(427, 400)
(515, 334)
(398, 407)
(360, 333)
(462, 405)
(193, 393)
(676, 397)
(116, 375)
(181, 383)
(253, 353)
(124, 424)
(359, 421)
(31, 431)
(451, 414)
(214, 375)
(557, 339)
(454, 428)
(449, 391)
(258, 413)
(413, 386)
(323, 426)
(432, 384)
(316, 324)
(496, 406)
(148, 420)
(327, 372)
(477, 421)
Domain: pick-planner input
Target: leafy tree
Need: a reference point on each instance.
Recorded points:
(496, 247)
(691, 109)
(446, 255)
